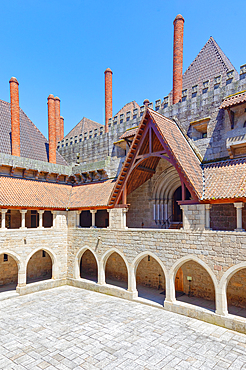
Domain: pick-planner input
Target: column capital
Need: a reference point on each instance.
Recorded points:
(78, 212)
(93, 210)
(208, 206)
(3, 210)
(125, 210)
(40, 211)
(23, 211)
(239, 205)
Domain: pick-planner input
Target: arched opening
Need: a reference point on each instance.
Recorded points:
(150, 280)
(8, 273)
(194, 285)
(116, 271)
(236, 293)
(88, 266)
(39, 267)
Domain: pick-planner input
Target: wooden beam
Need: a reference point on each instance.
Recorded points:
(142, 168)
(150, 140)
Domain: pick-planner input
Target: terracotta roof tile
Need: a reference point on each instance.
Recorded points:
(180, 149)
(233, 100)
(225, 180)
(15, 192)
(129, 133)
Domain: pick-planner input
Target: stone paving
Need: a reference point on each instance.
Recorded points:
(71, 328)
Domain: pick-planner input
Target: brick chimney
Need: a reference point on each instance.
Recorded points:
(146, 103)
(52, 128)
(108, 96)
(15, 116)
(61, 127)
(178, 58)
(57, 116)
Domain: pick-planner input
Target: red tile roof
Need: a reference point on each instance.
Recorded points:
(15, 192)
(233, 100)
(225, 180)
(129, 133)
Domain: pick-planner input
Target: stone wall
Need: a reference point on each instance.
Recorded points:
(39, 266)
(8, 270)
(116, 268)
(149, 273)
(88, 266)
(201, 284)
(223, 217)
(236, 290)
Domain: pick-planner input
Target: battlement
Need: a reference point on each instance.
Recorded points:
(197, 103)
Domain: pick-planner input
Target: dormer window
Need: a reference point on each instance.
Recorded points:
(199, 128)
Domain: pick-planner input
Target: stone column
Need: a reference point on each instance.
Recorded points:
(170, 290)
(101, 273)
(78, 218)
(3, 223)
(239, 206)
(221, 302)
(40, 218)
(93, 221)
(54, 213)
(21, 277)
(124, 211)
(23, 218)
(207, 217)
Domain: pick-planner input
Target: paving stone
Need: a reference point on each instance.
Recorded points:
(69, 328)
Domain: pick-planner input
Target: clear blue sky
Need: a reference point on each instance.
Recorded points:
(63, 47)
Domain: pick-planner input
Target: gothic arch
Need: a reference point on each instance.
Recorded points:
(78, 257)
(55, 271)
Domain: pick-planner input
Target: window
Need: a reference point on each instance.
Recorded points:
(5, 257)
(43, 254)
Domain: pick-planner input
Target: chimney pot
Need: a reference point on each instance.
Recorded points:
(108, 97)
(15, 116)
(146, 102)
(178, 58)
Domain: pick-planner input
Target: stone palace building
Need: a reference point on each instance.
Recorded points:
(149, 207)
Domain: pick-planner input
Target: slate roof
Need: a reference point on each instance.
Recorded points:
(85, 125)
(225, 180)
(33, 144)
(233, 100)
(128, 107)
(209, 63)
(16, 192)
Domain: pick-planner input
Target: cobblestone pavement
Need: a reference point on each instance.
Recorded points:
(71, 328)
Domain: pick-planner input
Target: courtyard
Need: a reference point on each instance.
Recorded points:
(71, 328)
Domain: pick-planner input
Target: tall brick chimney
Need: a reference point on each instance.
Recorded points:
(61, 127)
(15, 116)
(52, 128)
(108, 96)
(178, 58)
(57, 116)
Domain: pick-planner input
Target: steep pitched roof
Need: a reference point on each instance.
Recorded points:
(33, 144)
(183, 156)
(85, 125)
(208, 64)
(128, 107)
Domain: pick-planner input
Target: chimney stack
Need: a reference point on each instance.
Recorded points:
(108, 96)
(52, 128)
(15, 116)
(57, 118)
(146, 103)
(178, 58)
(61, 127)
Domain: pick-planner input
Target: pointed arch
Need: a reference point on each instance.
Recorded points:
(78, 257)
(55, 270)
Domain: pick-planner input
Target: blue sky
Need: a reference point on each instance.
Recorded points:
(63, 47)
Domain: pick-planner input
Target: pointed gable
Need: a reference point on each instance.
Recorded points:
(167, 142)
(209, 63)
